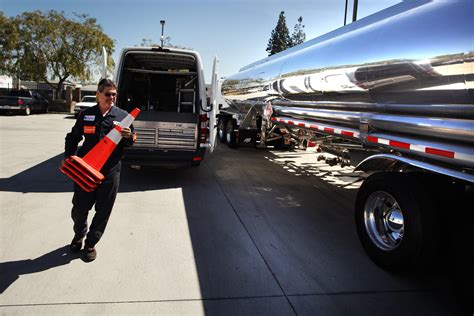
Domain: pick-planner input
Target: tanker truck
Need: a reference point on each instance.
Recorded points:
(391, 94)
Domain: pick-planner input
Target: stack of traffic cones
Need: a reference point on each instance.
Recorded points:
(86, 171)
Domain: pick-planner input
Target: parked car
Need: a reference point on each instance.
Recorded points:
(23, 101)
(86, 102)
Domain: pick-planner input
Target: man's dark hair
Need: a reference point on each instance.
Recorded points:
(104, 83)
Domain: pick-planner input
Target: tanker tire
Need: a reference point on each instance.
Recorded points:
(420, 237)
(221, 130)
(280, 143)
(231, 137)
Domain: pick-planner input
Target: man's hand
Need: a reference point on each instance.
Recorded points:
(126, 132)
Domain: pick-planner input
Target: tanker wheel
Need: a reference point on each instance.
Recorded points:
(231, 136)
(280, 143)
(221, 130)
(396, 221)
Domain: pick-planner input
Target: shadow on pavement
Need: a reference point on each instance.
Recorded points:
(46, 177)
(11, 271)
(43, 177)
(228, 263)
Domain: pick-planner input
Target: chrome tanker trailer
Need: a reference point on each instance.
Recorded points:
(393, 94)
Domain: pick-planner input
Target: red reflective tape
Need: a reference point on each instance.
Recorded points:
(439, 152)
(313, 126)
(372, 139)
(329, 130)
(301, 124)
(399, 144)
(351, 134)
(291, 123)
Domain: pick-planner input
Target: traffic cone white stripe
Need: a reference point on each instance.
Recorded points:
(115, 135)
(126, 122)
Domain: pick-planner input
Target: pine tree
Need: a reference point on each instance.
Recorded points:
(298, 35)
(279, 38)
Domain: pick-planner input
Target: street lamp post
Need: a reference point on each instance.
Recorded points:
(345, 13)
(162, 22)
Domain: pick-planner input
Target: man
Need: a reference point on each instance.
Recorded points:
(93, 124)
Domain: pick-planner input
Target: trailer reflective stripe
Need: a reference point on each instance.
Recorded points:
(439, 152)
(378, 140)
(372, 139)
(322, 128)
(399, 144)
(419, 148)
(463, 156)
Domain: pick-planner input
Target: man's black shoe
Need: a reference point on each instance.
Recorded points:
(89, 254)
(76, 244)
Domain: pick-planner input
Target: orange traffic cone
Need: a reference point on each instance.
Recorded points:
(86, 171)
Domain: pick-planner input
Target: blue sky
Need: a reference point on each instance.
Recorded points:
(237, 31)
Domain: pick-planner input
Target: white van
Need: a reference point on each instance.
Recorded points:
(167, 84)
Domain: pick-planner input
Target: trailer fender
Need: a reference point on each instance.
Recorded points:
(387, 162)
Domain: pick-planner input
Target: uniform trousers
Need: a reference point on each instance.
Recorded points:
(104, 198)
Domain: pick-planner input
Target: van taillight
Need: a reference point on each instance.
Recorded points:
(20, 101)
(204, 129)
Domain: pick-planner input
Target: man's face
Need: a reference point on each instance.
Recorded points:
(107, 97)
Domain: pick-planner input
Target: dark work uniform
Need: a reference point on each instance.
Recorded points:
(92, 126)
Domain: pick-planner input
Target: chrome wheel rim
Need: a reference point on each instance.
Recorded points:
(227, 136)
(221, 132)
(383, 219)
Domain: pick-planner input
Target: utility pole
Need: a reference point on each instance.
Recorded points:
(354, 11)
(162, 22)
(345, 13)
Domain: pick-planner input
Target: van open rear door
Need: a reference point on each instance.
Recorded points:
(104, 63)
(214, 107)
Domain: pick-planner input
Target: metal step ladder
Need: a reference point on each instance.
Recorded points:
(186, 101)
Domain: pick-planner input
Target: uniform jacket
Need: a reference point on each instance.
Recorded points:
(92, 126)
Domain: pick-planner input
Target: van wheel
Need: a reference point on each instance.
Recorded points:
(231, 137)
(396, 221)
(27, 110)
(221, 130)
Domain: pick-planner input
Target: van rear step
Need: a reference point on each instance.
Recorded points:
(169, 136)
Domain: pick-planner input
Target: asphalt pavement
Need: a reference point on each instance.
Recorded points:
(249, 232)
